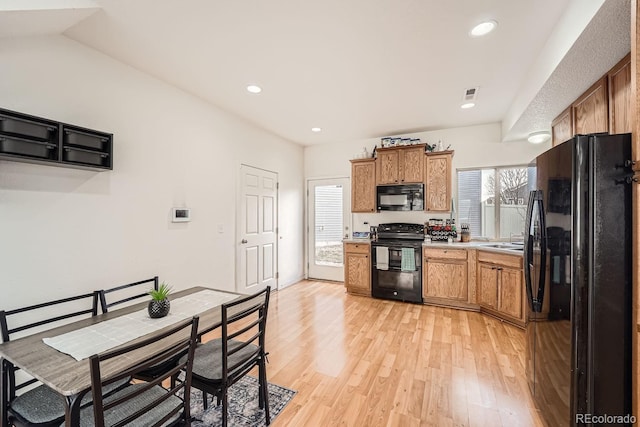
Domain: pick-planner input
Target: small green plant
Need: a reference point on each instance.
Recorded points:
(162, 293)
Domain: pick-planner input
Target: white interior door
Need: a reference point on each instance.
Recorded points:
(257, 230)
(329, 207)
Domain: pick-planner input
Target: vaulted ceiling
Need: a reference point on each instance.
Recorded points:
(358, 68)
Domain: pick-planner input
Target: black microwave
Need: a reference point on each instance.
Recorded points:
(407, 197)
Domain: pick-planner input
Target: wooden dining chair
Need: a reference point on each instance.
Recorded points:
(222, 362)
(148, 403)
(124, 293)
(39, 405)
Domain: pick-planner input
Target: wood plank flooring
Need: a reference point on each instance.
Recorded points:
(358, 361)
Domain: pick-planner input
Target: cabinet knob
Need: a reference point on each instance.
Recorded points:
(244, 241)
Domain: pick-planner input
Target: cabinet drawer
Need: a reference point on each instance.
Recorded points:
(359, 248)
(514, 261)
(445, 253)
(27, 128)
(86, 139)
(87, 157)
(26, 147)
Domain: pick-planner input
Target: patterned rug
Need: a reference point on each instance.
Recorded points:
(243, 405)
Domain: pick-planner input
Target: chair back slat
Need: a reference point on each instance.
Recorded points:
(109, 298)
(7, 328)
(163, 346)
(245, 316)
(34, 316)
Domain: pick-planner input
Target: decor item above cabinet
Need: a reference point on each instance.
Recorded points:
(400, 165)
(31, 139)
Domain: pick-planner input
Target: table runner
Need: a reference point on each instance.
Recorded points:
(111, 333)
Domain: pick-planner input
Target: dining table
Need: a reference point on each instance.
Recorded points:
(71, 377)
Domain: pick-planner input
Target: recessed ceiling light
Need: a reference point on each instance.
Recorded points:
(483, 28)
(468, 105)
(316, 129)
(254, 89)
(539, 137)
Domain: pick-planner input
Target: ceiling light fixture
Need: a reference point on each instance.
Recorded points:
(468, 105)
(315, 129)
(483, 28)
(254, 89)
(539, 137)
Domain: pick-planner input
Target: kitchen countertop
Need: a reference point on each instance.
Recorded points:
(472, 245)
(366, 241)
(455, 245)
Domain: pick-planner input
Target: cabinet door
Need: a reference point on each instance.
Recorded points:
(412, 165)
(445, 279)
(357, 273)
(387, 167)
(562, 127)
(363, 186)
(438, 183)
(619, 79)
(488, 285)
(591, 110)
(510, 295)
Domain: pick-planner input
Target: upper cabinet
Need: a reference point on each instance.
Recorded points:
(619, 80)
(604, 107)
(400, 165)
(591, 110)
(363, 185)
(562, 127)
(438, 181)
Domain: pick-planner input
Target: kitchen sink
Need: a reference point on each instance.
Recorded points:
(510, 246)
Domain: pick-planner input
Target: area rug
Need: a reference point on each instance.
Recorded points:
(243, 405)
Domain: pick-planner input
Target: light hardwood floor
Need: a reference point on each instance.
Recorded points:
(358, 361)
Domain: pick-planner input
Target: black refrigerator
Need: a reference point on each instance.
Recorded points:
(577, 265)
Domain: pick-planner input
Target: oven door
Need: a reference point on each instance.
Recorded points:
(395, 283)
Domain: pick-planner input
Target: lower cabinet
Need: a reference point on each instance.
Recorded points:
(447, 277)
(500, 290)
(357, 268)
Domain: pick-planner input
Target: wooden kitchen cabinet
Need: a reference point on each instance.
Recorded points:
(488, 285)
(438, 181)
(510, 294)
(444, 275)
(500, 286)
(448, 277)
(400, 165)
(363, 185)
(357, 268)
(591, 111)
(619, 84)
(562, 127)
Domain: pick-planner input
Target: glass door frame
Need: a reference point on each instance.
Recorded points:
(314, 271)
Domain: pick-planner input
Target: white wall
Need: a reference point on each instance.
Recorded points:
(474, 146)
(65, 231)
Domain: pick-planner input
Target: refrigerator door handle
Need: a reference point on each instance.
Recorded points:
(528, 251)
(543, 253)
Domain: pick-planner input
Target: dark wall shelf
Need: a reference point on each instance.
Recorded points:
(26, 138)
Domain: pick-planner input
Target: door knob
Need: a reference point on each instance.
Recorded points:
(244, 241)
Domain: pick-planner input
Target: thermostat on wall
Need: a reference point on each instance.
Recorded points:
(181, 215)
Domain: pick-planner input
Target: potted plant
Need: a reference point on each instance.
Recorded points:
(159, 305)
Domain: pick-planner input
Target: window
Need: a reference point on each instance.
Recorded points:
(493, 201)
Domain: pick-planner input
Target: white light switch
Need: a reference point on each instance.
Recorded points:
(220, 228)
